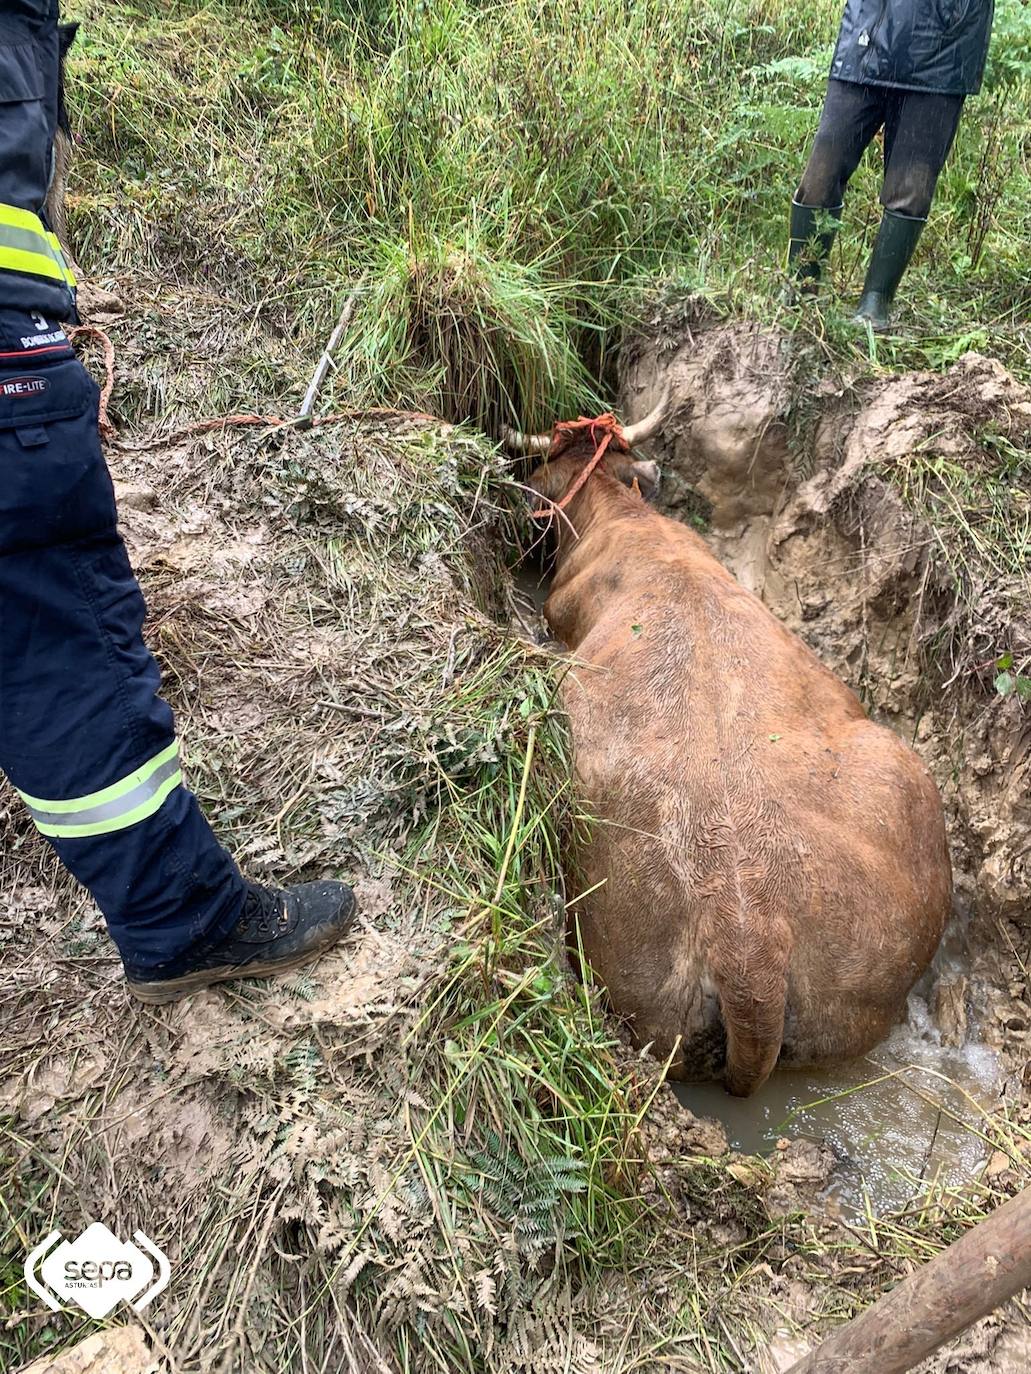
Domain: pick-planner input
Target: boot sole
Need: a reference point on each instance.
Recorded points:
(175, 989)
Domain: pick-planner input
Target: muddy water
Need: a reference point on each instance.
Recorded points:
(902, 1118)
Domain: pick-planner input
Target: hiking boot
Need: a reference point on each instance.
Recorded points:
(280, 929)
(812, 234)
(896, 241)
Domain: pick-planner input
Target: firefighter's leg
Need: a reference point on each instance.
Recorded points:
(84, 736)
(851, 116)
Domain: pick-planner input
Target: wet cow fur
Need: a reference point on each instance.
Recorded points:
(768, 873)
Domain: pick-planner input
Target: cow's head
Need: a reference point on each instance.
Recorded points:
(571, 448)
(551, 481)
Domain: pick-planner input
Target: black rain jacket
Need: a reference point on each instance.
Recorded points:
(915, 45)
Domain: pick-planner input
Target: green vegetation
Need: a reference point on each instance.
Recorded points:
(505, 184)
(453, 1175)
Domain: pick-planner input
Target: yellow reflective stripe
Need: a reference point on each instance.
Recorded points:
(19, 260)
(21, 219)
(55, 244)
(26, 245)
(107, 794)
(70, 831)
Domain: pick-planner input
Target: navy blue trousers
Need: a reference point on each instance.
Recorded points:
(84, 736)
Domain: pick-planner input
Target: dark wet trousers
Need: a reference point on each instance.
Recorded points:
(84, 736)
(919, 128)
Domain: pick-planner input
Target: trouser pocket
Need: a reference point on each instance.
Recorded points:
(54, 483)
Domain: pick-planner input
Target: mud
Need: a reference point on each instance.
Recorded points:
(308, 647)
(860, 515)
(907, 1117)
(812, 522)
(119, 1350)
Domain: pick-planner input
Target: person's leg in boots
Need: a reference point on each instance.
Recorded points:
(84, 736)
(851, 116)
(919, 131)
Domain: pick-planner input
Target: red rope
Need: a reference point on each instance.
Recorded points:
(605, 431)
(107, 429)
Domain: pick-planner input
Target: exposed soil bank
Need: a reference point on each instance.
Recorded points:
(887, 524)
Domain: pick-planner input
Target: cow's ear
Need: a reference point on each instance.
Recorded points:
(646, 474)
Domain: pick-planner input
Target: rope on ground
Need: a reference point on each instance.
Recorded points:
(274, 422)
(92, 331)
(302, 421)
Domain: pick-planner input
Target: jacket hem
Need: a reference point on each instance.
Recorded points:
(903, 86)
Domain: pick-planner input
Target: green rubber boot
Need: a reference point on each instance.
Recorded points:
(896, 241)
(813, 229)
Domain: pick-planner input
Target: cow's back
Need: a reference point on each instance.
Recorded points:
(755, 830)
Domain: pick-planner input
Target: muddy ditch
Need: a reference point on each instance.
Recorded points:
(325, 609)
(887, 524)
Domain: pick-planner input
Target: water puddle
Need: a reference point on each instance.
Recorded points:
(906, 1116)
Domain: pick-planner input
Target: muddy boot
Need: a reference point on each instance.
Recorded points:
(280, 929)
(896, 241)
(813, 230)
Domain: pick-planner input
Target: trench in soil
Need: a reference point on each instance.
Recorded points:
(904, 1118)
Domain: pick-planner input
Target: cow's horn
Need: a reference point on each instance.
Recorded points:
(644, 429)
(525, 443)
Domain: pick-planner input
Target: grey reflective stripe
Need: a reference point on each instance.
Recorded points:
(25, 239)
(118, 813)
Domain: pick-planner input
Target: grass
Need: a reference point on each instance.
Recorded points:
(454, 1171)
(510, 182)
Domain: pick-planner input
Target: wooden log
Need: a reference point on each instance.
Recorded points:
(977, 1273)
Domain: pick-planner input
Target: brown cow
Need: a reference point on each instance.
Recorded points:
(768, 875)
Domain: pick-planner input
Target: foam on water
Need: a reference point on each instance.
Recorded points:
(905, 1116)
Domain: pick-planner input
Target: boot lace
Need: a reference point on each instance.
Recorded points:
(264, 914)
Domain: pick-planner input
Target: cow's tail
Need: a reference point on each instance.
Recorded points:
(751, 981)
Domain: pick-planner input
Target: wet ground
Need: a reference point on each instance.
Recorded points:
(907, 1115)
